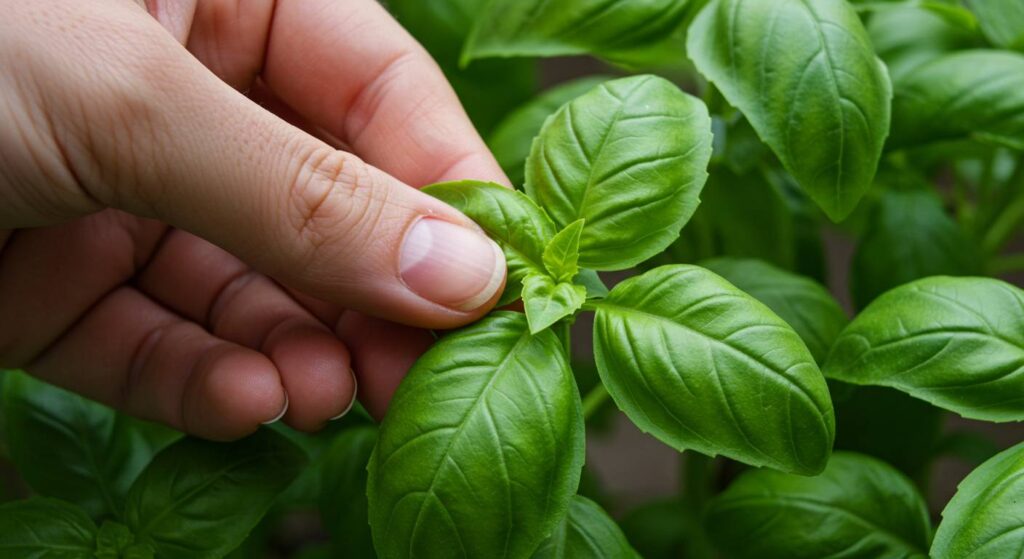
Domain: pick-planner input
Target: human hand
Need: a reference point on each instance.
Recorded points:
(145, 205)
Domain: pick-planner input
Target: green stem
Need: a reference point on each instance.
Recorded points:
(696, 479)
(564, 332)
(594, 400)
(1005, 224)
(1006, 264)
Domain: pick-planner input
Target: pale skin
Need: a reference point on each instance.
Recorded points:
(208, 208)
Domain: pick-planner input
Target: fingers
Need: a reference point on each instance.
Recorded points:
(382, 353)
(153, 132)
(387, 98)
(209, 286)
(130, 353)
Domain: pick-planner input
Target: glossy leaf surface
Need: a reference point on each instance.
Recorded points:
(955, 342)
(976, 94)
(561, 256)
(547, 301)
(806, 77)
(596, 159)
(702, 365)
(482, 448)
(858, 508)
(802, 302)
(984, 518)
(42, 528)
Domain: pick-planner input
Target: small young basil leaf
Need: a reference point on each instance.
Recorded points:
(596, 159)
(547, 301)
(806, 77)
(46, 528)
(199, 499)
(629, 33)
(858, 508)
(586, 531)
(1002, 22)
(482, 446)
(513, 136)
(562, 254)
(955, 342)
(592, 283)
(910, 236)
(802, 302)
(976, 94)
(701, 365)
(91, 454)
(116, 541)
(343, 505)
(906, 36)
(983, 519)
(513, 220)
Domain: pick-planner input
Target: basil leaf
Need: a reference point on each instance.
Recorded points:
(630, 33)
(906, 36)
(859, 507)
(488, 89)
(909, 237)
(806, 77)
(563, 252)
(977, 94)
(546, 301)
(802, 302)
(1002, 22)
(593, 153)
(521, 228)
(513, 136)
(592, 283)
(199, 499)
(586, 531)
(482, 446)
(41, 528)
(701, 365)
(955, 342)
(343, 504)
(983, 519)
(91, 454)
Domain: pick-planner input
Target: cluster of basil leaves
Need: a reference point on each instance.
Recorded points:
(809, 103)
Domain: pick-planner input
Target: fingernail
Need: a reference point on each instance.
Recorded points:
(451, 265)
(352, 402)
(278, 417)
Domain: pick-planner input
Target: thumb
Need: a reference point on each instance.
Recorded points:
(161, 136)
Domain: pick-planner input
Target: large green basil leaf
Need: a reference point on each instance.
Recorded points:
(343, 505)
(909, 237)
(806, 77)
(858, 508)
(802, 302)
(1002, 21)
(984, 517)
(41, 528)
(513, 136)
(955, 342)
(513, 220)
(906, 36)
(71, 448)
(586, 531)
(701, 365)
(630, 33)
(482, 446)
(976, 94)
(596, 159)
(199, 499)
(488, 89)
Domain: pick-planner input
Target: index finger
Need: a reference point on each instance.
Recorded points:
(351, 69)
